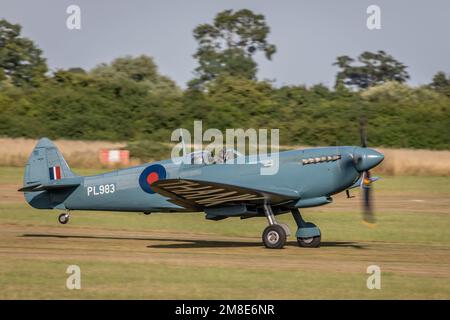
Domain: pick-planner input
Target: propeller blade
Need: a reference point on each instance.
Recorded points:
(366, 181)
(366, 188)
(362, 131)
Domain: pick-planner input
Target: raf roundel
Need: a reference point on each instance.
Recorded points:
(150, 175)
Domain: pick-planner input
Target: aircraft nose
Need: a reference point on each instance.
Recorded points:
(366, 158)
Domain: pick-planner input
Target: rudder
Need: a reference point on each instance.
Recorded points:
(45, 164)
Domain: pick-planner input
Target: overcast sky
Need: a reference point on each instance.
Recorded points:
(309, 35)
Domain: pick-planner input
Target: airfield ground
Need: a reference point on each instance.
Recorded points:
(164, 256)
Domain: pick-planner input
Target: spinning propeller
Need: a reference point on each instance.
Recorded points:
(364, 159)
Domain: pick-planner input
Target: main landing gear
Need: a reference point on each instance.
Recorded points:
(63, 218)
(275, 234)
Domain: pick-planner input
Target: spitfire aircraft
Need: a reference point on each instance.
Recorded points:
(305, 178)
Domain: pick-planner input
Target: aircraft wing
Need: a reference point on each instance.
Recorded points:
(198, 194)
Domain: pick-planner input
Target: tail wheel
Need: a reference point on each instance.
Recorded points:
(63, 218)
(274, 237)
(313, 242)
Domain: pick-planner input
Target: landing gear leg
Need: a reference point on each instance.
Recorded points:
(308, 234)
(63, 218)
(274, 235)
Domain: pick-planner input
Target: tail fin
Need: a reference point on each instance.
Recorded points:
(45, 167)
(45, 164)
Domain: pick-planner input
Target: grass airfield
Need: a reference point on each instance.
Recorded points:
(184, 256)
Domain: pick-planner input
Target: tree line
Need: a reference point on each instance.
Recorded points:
(128, 99)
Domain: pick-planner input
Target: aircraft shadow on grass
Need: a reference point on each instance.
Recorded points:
(190, 243)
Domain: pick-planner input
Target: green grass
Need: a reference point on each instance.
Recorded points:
(46, 280)
(410, 243)
(414, 184)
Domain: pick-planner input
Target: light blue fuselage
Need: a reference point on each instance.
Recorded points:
(299, 180)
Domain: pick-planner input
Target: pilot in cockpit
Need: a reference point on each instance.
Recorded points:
(225, 156)
(205, 157)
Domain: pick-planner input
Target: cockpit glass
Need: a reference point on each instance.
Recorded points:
(206, 157)
(201, 157)
(226, 156)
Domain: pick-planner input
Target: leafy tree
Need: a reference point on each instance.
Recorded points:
(239, 102)
(373, 69)
(129, 100)
(20, 60)
(227, 46)
(138, 69)
(441, 83)
(72, 76)
(141, 69)
(440, 80)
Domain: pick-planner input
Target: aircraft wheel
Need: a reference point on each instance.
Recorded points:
(63, 218)
(313, 242)
(274, 237)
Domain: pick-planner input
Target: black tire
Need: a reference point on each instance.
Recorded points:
(274, 237)
(63, 218)
(313, 242)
